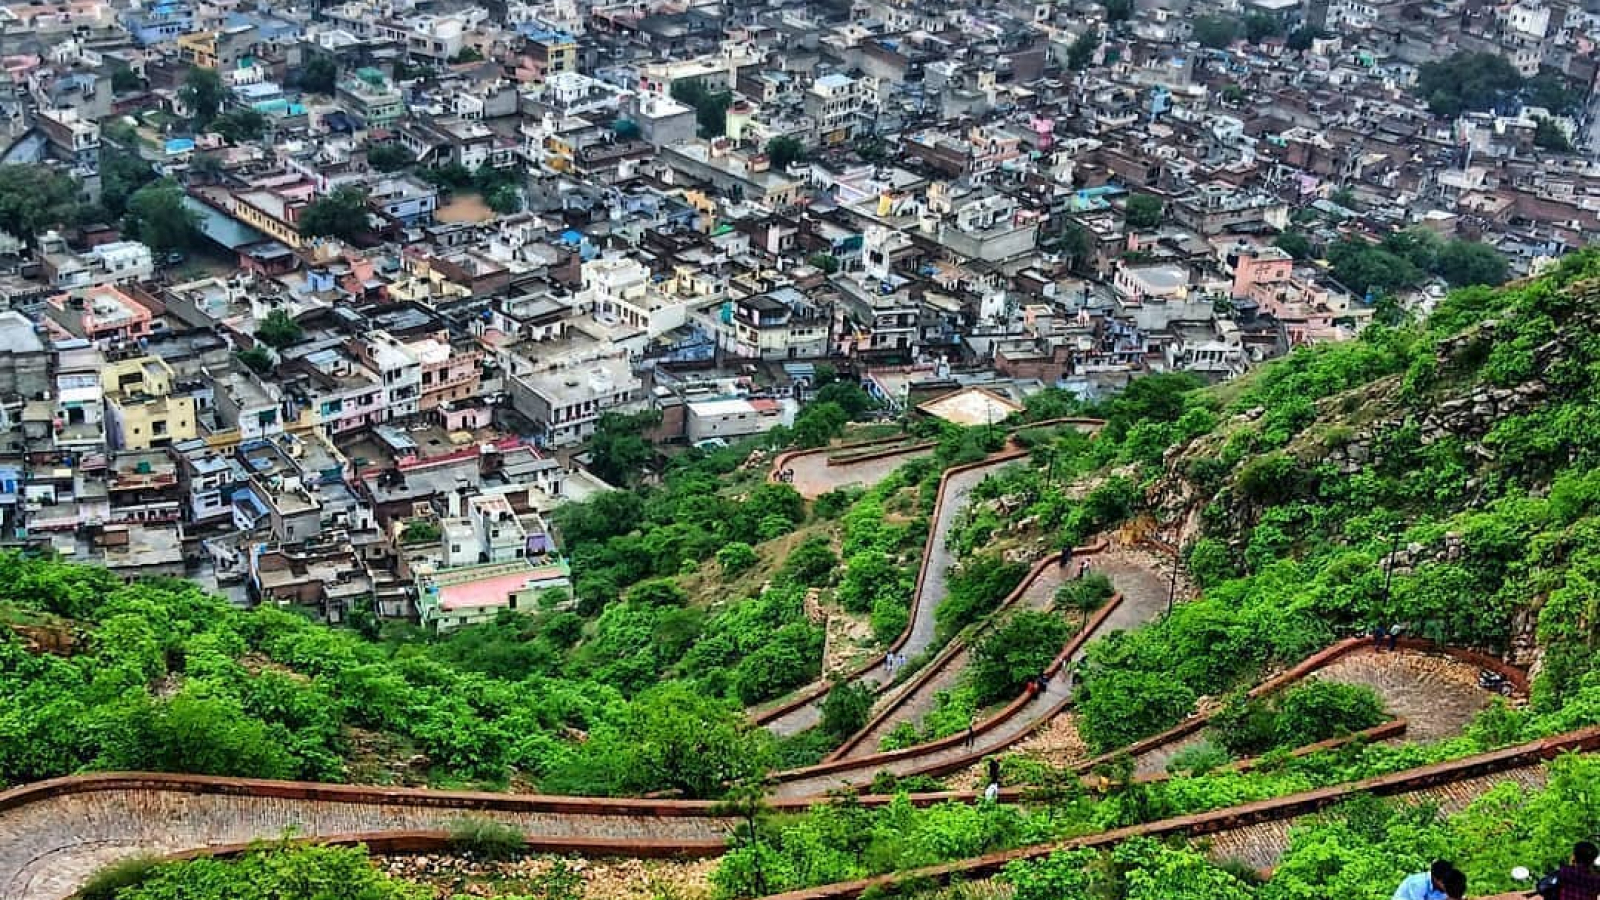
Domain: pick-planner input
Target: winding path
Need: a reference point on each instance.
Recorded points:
(956, 486)
(816, 472)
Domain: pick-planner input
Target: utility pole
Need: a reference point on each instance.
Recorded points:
(1172, 585)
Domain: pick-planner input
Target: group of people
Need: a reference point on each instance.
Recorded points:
(893, 662)
(1577, 880)
(1387, 637)
(1065, 560)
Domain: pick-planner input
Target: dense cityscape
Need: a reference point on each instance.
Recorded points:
(1122, 450)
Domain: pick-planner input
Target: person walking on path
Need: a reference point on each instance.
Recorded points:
(994, 770)
(972, 724)
(1435, 884)
(1083, 568)
(1578, 879)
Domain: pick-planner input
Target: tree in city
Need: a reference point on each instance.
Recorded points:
(1301, 39)
(319, 74)
(1018, 650)
(1233, 94)
(122, 172)
(818, 424)
(158, 218)
(826, 262)
(785, 150)
(389, 157)
(1547, 135)
(618, 450)
(625, 129)
(1144, 211)
(1117, 10)
(1463, 263)
(258, 359)
(1467, 81)
(125, 80)
(1259, 26)
(240, 125)
(505, 199)
(1076, 243)
(711, 107)
(468, 55)
(341, 214)
(34, 198)
(1550, 90)
(1080, 53)
(279, 329)
(1216, 32)
(1294, 243)
(202, 93)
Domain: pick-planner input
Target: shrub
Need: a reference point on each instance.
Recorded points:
(486, 838)
(846, 709)
(111, 880)
(736, 557)
(1016, 651)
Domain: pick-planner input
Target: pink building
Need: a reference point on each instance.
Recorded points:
(1256, 267)
(448, 372)
(100, 314)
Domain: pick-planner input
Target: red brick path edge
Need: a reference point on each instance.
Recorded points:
(821, 688)
(811, 694)
(910, 687)
(1517, 678)
(1292, 806)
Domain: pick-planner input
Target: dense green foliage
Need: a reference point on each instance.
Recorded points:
(341, 214)
(1302, 714)
(1015, 652)
(274, 873)
(1405, 258)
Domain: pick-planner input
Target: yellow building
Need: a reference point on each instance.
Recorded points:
(267, 212)
(141, 411)
(198, 48)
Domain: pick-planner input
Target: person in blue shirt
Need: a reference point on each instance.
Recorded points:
(1442, 881)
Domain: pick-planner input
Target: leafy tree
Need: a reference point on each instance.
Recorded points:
(449, 175)
(1294, 243)
(1301, 39)
(625, 129)
(319, 74)
(420, 531)
(1016, 651)
(279, 330)
(812, 563)
(257, 358)
(1216, 32)
(819, 423)
(389, 157)
(125, 81)
(1233, 94)
(975, 590)
(670, 737)
(240, 125)
(504, 200)
(122, 172)
(158, 218)
(1463, 263)
(657, 592)
(785, 150)
(1084, 595)
(468, 55)
(711, 107)
(34, 199)
(855, 402)
(1361, 266)
(202, 93)
(736, 557)
(1345, 197)
(1080, 53)
(1143, 211)
(823, 261)
(1259, 26)
(341, 214)
(1467, 81)
(1118, 10)
(1552, 91)
(1549, 136)
(618, 450)
(846, 709)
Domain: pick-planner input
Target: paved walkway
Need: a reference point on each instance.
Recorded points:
(48, 849)
(957, 489)
(1144, 599)
(813, 477)
(1039, 594)
(1436, 695)
(1261, 845)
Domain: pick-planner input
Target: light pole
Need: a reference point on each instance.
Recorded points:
(1172, 585)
